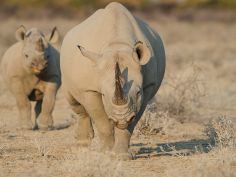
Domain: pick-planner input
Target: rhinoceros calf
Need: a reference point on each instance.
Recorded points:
(31, 71)
(112, 64)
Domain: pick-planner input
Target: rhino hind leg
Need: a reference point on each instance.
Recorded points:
(37, 110)
(35, 95)
(84, 130)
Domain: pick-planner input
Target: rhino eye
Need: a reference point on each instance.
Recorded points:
(26, 55)
(138, 93)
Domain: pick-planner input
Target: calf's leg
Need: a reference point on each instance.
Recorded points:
(23, 104)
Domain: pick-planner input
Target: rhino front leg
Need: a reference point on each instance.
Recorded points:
(45, 120)
(24, 108)
(84, 130)
(122, 137)
(23, 104)
(94, 107)
(121, 147)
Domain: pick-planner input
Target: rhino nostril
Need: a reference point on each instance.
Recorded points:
(131, 119)
(33, 63)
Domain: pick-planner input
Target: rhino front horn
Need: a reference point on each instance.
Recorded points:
(119, 97)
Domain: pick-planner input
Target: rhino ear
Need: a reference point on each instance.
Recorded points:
(54, 36)
(20, 33)
(94, 57)
(142, 53)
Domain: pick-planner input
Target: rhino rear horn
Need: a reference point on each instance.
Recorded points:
(119, 97)
(94, 57)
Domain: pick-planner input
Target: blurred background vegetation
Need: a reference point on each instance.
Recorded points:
(97, 3)
(72, 8)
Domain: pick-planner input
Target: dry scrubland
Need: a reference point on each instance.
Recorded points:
(187, 130)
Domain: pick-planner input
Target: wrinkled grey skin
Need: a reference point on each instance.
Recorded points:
(112, 64)
(31, 71)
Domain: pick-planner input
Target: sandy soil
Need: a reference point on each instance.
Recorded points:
(199, 85)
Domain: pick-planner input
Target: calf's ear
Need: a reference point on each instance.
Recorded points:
(54, 36)
(20, 33)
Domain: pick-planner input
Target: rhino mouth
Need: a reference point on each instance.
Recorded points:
(123, 120)
(123, 115)
(36, 70)
(123, 124)
(39, 69)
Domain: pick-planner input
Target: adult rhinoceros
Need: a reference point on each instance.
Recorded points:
(112, 64)
(31, 71)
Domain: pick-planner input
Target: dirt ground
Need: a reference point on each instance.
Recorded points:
(170, 141)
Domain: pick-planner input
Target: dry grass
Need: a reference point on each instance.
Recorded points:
(167, 145)
(42, 146)
(154, 122)
(218, 163)
(87, 163)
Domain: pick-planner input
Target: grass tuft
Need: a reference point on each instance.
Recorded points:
(221, 132)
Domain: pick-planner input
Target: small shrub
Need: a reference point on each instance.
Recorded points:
(183, 92)
(221, 132)
(154, 122)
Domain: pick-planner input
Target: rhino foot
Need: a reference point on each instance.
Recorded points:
(45, 122)
(84, 143)
(26, 125)
(124, 156)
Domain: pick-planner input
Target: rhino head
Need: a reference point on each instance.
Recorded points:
(35, 48)
(120, 80)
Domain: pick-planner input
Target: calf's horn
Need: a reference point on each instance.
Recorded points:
(40, 45)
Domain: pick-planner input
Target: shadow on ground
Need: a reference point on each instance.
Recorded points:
(180, 148)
